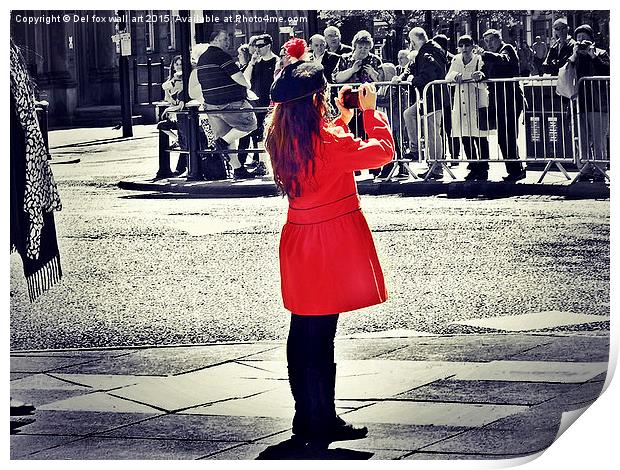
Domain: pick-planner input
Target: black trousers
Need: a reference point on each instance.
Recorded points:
(310, 341)
(507, 133)
(180, 125)
(476, 148)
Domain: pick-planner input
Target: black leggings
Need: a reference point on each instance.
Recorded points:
(311, 340)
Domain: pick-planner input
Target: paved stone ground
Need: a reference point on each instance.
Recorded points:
(483, 396)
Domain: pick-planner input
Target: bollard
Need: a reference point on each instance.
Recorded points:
(193, 128)
(164, 156)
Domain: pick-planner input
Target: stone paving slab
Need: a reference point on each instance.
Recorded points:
(73, 353)
(367, 348)
(39, 398)
(170, 361)
(497, 442)
(533, 321)
(37, 364)
(102, 383)
(585, 393)
(46, 382)
(422, 455)
(569, 349)
(490, 392)
(79, 423)
(97, 448)
(99, 401)
(274, 354)
(533, 371)
(203, 427)
(460, 348)
(24, 445)
(375, 379)
(276, 403)
(20, 375)
(402, 437)
(437, 414)
(198, 388)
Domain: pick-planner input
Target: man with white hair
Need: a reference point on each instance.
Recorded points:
(430, 64)
(320, 55)
(402, 61)
(333, 38)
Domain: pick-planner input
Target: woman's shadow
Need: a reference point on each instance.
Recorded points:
(292, 449)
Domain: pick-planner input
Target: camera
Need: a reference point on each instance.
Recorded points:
(351, 99)
(584, 45)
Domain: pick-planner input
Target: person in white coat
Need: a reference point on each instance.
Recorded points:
(468, 97)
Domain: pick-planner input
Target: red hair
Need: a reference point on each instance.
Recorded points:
(292, 135)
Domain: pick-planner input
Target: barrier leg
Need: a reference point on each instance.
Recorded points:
(193, 128)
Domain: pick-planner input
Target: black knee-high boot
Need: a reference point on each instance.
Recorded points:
(297, 382)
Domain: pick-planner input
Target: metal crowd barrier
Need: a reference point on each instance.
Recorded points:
(521, 119)
(515, 121)
(591, 108)
(194, 149)
(400, 102)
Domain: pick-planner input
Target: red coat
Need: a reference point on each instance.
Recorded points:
(328, 261)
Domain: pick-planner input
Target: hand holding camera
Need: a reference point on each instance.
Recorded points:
(365, 97)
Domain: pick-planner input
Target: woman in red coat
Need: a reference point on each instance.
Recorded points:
(328, 262)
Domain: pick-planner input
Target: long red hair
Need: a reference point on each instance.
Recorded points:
(292, 139)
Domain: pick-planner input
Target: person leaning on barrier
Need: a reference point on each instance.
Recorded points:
(333, 38)
(590, 61)
(560, 50)
(359, 66)
(468, 98)
(430, 64)
(506, 98)
(328, 261)
(224, 87)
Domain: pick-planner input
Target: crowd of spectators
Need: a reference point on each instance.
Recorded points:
(454, 117)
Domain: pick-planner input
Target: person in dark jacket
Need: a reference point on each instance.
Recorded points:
(593, 106)
(501, 61)
(430, 64)
(454, 144)
(561, 50)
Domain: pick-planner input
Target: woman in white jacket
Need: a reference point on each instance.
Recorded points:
(468, 97)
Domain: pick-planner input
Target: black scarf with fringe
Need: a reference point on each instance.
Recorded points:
(33, 191)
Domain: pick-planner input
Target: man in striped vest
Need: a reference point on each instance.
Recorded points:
(225, 88)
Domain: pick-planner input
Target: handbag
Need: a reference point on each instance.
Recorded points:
(567, 81)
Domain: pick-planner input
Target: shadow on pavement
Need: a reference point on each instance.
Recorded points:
(293, 450)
